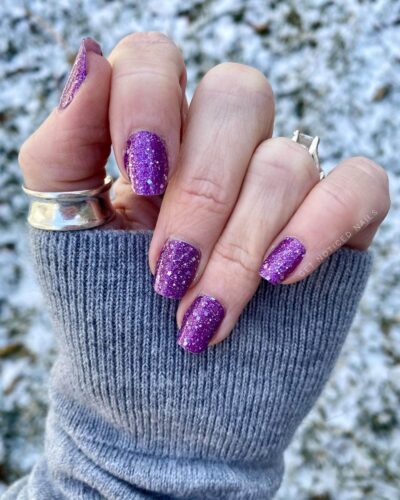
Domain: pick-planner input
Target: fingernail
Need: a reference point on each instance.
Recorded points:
(176, 268)
(78, 72)
(146, 163)
(283, 260)
(200, 323)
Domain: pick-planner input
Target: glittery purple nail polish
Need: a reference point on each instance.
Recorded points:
(176, 268)
(78, 72)
(200, 323)
(146, 163)
(283, 260)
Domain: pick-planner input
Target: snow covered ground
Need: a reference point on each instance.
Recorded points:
(335, 69)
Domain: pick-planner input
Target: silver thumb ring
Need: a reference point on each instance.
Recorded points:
(70, 210)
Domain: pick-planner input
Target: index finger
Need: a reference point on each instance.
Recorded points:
(147, 98)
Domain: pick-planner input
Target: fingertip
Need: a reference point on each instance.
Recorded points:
(89, 77)
(92, 46)
(200, 323)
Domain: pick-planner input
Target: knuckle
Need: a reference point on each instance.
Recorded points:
(241, 79)
(150, 54)
(146, 38)
(22, 155)
(377, 174)
(25, 155)
(287, 159)
(377, 179)
(206, 193)
(341, 198)
(237, 255)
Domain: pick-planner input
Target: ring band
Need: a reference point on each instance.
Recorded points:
(70, 210)
(311, 144)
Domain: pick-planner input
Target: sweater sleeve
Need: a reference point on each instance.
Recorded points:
(134, 416)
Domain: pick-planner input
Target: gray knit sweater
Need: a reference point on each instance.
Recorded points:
(133, 416)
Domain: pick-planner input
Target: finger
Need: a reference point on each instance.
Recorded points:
(148, 94)
(346, 208)
(231, 113)
(280, 175)
(138, 212)
(70, 149)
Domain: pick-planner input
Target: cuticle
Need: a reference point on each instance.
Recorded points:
(183, 240)
(136, 131)
(208, 296)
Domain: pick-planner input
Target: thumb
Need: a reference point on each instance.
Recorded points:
(70, 149)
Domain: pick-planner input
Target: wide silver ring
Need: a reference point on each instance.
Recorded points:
(311, 144)
(70, 210)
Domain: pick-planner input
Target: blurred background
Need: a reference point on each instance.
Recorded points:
(335, 70)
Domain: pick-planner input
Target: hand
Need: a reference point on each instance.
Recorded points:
(234, 195)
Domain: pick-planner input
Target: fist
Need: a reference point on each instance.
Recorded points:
(229, 204)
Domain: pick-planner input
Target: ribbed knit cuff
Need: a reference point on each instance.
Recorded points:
(134, 414)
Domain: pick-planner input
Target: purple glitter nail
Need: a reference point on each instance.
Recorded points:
(78, 72)
(200, 323)
(176, 268)
(146, 163)
(283, 260)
